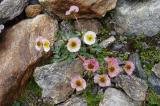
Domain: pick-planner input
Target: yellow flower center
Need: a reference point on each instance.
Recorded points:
(78, 83)
(111, 69)
(127, 66)
(102, 79)
(90, 37)
(39, 43)
(73, 44)
(46, 44)
(90, 66)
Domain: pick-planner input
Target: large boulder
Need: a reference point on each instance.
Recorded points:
(9, 9)
(88, 8)
(134, 87)
(115, 97)
(74, 101)
(18, 56)
(138, 17)
(54, 79)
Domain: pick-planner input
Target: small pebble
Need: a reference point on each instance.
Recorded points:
(107, 42)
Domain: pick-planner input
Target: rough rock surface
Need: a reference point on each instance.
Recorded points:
(54, 79)
(88, 8)
(133, 86)
(107, 42)
(156, 69)
(18, 55)
(87, 25)
(75, 101)
(10, 9)
(139, 71)
(66, 26)
(138, 17)
(33, 10)
(115, 97)
(154, 82)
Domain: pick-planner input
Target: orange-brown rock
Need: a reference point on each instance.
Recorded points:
(88, 8)
(18, 56)
(33, 10)
(87, 25)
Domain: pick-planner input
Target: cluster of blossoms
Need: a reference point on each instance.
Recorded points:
(74, 44)
(103, 80)
(42, 43)
(92, 65)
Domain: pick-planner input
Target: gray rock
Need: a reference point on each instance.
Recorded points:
(115, 97)
(33, 2)
(139, 71)
(74, 101)
(133, 86)
(107, 42)
(117, 46)
(10, 9)
(66, 26)
(156, 69)
(138, 17)
(54, 79)
(154, 82)
(112, 33)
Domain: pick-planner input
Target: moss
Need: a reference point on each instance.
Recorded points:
(152, 99)
(150, 57)
(29, 94)
(92, 99)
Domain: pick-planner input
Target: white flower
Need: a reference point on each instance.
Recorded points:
(38, 43)
(89, 38)
(46, 45)
(74, 44)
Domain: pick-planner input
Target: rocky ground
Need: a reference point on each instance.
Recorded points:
(126, 29)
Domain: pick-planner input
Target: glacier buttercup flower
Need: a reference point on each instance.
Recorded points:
(129, 67)
(46, 45)
(78, 83)
(72, 9)
(89, 38)
(113, 70)
(102, 80)
(91, 65)
(38, 43)
(111, 60)
(74, 44)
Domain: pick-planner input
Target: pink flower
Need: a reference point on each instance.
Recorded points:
(111, 60)
(73, 9)
(113, 70)
(129, 67)
(91, 65)
(102, 80)
(39, 43)
(78, 83)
